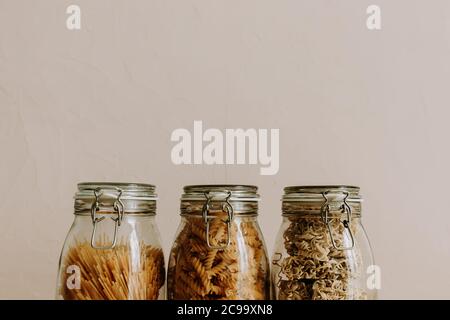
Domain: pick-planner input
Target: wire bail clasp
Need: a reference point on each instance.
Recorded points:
(226, 207)
(118, 208)
(344, 208)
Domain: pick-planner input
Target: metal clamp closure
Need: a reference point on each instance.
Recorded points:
(226, 207)
(344, 208)
(118, 208)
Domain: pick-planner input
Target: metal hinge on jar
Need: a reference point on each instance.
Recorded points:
(226, 207)
(344, 208)
(118, 209)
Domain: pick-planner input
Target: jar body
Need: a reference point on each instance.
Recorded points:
(132, 270)
(240, 270)
(306, 265)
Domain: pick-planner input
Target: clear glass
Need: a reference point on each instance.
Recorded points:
(198, 272)
(306, 266)
(132, 270)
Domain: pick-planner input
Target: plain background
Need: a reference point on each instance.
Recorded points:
(369, 108)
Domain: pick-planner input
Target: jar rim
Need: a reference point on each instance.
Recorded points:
(131, 191)
(134, 197)
(125, 186)
(235, 192)
(320, 193)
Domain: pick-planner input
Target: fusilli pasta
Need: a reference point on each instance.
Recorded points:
(240, 271)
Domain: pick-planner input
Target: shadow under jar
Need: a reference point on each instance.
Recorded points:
(219, 252)
(322, 251)
(112, 251)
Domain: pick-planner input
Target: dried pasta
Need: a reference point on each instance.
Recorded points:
(114, 274)
(311, 268)
(198, 272)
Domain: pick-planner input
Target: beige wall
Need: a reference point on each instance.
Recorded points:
(353, 106)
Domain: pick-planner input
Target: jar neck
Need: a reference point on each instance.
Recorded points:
(112, 214)
(236, 219)
(314, 208)
(238, 208)
(105, 206)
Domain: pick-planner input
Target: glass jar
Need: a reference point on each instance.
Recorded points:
(112, 251)
(219, 251)
(322, 251)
